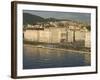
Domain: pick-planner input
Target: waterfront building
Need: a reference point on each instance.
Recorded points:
(71, 33)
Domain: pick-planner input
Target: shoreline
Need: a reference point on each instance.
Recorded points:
(81, 52)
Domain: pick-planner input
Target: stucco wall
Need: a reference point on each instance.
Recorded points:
(88, 39)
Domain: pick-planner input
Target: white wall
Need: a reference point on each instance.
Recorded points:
(5, 43)
(88, 39)
(31, 35)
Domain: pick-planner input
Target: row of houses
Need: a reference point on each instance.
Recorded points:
(58, 35)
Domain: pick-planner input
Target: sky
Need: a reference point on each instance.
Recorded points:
(81, 17)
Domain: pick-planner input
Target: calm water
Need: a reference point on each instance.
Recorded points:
(47, 58)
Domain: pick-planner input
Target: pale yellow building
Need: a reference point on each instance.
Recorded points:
(57, 35)
(31, 35)
(88, 39)
(48, 35)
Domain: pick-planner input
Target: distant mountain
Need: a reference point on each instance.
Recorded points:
(51, 19)
(31, 19)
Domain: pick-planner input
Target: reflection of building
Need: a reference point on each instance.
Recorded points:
(57, 35)
(87, 59)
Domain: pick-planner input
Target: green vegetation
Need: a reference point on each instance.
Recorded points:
(31, 19)
(88, 28)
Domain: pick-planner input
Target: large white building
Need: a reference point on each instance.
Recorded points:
(57, 35)
(48, 35)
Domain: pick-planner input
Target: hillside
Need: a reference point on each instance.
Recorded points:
(31, 19)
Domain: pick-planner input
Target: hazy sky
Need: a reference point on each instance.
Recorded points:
(82, 17)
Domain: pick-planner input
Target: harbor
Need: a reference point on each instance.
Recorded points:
(42, 57)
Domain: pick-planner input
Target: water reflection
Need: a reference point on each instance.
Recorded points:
(49, 58)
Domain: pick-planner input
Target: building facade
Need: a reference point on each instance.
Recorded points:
(58, 35)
